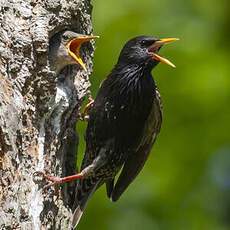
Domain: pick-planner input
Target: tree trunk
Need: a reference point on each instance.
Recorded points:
(38, 111)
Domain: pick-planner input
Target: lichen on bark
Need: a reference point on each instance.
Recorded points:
(38, 110)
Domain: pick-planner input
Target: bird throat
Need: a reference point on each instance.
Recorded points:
(135, 86)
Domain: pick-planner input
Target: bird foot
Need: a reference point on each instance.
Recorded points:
(56, 180)
(84, 116)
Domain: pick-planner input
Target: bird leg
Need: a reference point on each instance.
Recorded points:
(84, 116)
(61, 180)
(57, 180)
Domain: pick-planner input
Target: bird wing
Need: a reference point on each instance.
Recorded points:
(137, 159)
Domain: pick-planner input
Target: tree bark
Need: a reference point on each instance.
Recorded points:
(38, 110)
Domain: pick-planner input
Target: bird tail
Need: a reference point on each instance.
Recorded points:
(77, 216)
(85, 190)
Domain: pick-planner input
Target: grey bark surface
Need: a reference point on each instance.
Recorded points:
(38, 110)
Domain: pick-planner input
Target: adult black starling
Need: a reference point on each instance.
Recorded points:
(123, 123)
(64, 49)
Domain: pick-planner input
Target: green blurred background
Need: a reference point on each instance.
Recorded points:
(186, 181)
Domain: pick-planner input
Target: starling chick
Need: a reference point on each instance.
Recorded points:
(64, 49)
(123, 123)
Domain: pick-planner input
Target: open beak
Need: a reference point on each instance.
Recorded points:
(74, 45)
(157, 45)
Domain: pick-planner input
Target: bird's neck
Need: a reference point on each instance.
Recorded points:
(57, 66)
(131, 76)
(133, 84)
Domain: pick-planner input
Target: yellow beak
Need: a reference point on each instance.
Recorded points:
(167, 40)
(160, 43)
(74, 45)
(163, 60)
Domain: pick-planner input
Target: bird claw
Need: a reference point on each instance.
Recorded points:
(39, 177)
(84, 116)
(46, 187)
(55, 180)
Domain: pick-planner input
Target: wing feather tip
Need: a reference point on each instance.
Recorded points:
(76, 217)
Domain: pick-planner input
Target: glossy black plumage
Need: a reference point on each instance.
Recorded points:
(123, 124)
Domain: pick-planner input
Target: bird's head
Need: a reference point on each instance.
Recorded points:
(143, 50)
(65, 48)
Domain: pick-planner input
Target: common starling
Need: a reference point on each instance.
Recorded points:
(64, 49)
(123, 123)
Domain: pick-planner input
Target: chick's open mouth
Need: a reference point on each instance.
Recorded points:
(74, 45)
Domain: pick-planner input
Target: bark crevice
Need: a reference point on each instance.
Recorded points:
(38, 110)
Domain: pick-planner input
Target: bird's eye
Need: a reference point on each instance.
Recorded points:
(65, 37)
(146, 43)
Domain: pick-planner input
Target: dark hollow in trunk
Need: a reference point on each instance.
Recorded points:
(38, 111)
